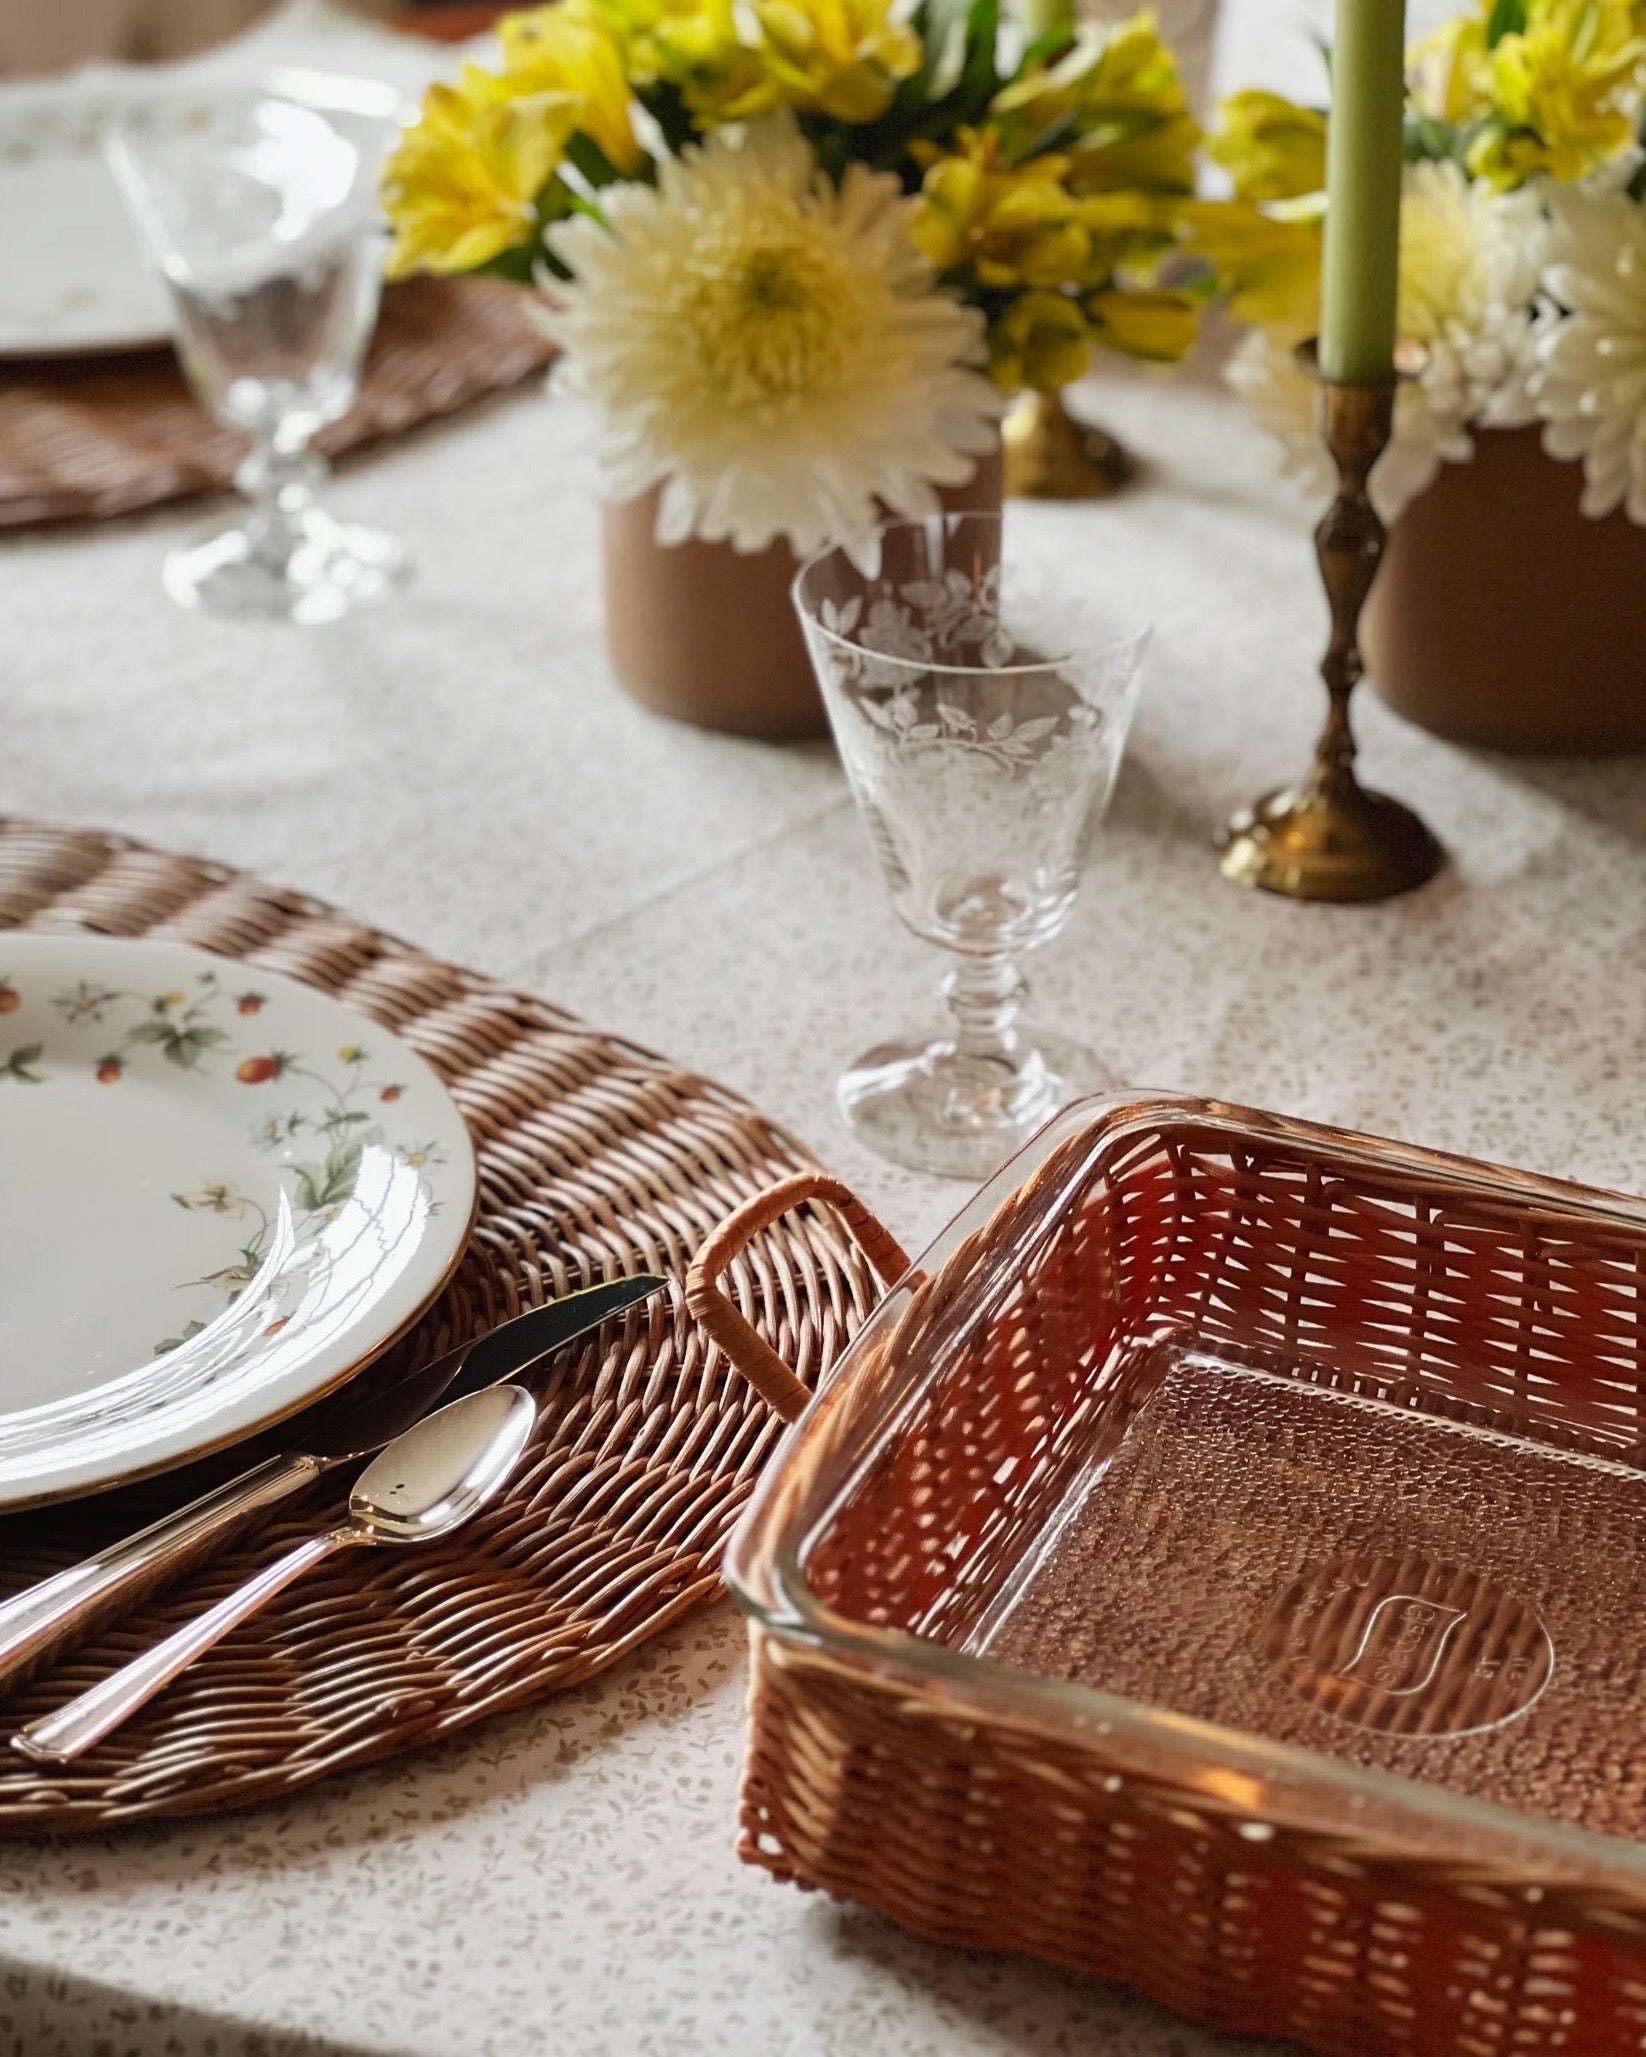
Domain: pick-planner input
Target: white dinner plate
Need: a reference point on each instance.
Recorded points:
(73, 277)
(221, 1193)
(74, 280)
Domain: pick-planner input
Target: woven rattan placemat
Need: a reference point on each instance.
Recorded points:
(84, 439)
(596, 1158)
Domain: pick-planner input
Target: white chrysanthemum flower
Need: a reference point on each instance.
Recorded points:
(1282, 398)
(1470, 263)
(768, 346)
(1591, 385)
(1285, 400)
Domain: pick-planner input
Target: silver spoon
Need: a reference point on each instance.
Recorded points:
(39, 1624)
(427, 1482)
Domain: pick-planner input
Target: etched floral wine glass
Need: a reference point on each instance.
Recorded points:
(259, 211)
(981, 707)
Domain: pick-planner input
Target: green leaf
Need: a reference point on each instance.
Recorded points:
(232, 1279)
(151, 1032)
(17, 1065)
(323, 1185)
(185, 1047)
(589, 159)
(1429, 141)
(1045, 49)
(914, 115)
(667, 107)
(190, 1330)
(580, 204)
(1507, 18)
(943, 26)
(339, 1118)
(342, 1169)
(980, 80)
(514, 265)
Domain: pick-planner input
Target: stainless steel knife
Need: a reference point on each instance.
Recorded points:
(45, 1619)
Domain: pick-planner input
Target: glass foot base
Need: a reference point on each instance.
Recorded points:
(318, 571)
(922, 1104)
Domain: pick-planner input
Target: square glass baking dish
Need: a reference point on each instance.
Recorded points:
(1220, 1564)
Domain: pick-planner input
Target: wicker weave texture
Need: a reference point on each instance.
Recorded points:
(886, 1784)
(994, 1840)
(596, 1159)
(84, 439)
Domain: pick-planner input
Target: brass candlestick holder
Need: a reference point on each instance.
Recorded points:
(1051, 456)
(1327, 838)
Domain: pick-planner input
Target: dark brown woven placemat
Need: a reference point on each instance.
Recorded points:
(84, 439)
(596, 1158)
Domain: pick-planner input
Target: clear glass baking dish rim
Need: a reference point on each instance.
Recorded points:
(762, 1565)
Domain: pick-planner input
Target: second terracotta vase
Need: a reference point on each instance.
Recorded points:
(1502, 615)
(709, 635)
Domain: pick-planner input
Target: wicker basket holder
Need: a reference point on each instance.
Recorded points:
(1433, 1852)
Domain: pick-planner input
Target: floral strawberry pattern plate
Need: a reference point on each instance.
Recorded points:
(221, 1192)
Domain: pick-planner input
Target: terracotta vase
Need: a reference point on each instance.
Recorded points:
(1503, 616)
(708, 635)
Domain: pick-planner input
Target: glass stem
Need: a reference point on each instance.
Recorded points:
(985, 995)
(282, 480)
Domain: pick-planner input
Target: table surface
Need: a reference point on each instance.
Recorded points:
(462, 769)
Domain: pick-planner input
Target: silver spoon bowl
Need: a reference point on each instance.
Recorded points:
(426, 1483)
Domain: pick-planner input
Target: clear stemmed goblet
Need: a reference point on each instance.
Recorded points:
(259, 210)
(981, 708)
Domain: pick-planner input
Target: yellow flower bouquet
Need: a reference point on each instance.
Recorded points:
(797, 253)
(1522, 247)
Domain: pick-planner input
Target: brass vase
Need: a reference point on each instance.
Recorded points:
(1051, 456)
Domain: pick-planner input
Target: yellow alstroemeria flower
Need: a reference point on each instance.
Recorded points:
(1114, 102)
(1014, 227)
(842, 58)
(1444, 72)
(1123, 69)
(1159, 157)
(1042, 340)
(1562, 92)
(693, 45)
(1130, 231)
(1158, 323)
(1267, 265)
(463, 185)
(1271, 148)
(569, 51)
(953, 202)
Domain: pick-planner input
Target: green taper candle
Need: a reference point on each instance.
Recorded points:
(1361, 265)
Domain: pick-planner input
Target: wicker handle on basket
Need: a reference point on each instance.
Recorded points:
(755, 1359)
